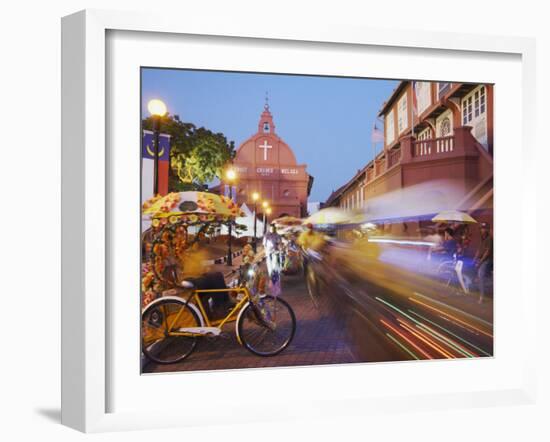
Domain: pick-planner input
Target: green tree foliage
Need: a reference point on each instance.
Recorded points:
(197, 156)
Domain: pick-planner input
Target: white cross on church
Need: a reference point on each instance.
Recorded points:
(265, 146)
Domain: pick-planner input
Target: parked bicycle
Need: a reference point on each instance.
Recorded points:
(172, 325)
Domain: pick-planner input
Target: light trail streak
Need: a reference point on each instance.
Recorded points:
(395, 308)
(427, 341)
(453, 344)
(454, 308)
(450, 321)
(402, 346)
(401, 242)
(406, 339)
(451, 316)
(406, 315)
(451, 333)
(449, 342)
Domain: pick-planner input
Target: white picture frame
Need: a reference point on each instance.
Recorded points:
(85, 218)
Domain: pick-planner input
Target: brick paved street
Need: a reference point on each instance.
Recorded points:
(349, 325)
(320, 338)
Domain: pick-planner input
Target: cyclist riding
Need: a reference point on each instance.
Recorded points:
(312, 244)
(451, 267)
(448, 246)
(311, 240)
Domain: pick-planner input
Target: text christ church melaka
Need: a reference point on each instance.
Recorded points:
(266, 164)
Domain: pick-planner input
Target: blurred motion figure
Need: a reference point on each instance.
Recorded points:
(272, 243)
(483, 260)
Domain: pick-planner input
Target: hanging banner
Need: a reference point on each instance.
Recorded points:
(148, 164)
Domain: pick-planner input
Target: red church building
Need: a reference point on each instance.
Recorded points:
(264, 163)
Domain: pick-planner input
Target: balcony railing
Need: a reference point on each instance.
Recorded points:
(394, 156)
(433, 146)
(370, 174)
(428, 149)
(379, 167)
(461, 143)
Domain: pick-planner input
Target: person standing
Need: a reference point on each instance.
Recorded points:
(272, 243)
(483, 260)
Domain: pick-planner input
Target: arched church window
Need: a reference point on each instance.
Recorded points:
(266, 127)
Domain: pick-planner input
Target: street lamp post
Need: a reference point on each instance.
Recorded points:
(268, 210)
(157, 109)
(255, 197)
(230, 175)
(265, 206)
(156, 136)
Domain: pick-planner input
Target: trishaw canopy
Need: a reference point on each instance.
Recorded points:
(194, 206)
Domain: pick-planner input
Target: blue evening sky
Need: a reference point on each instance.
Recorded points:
(327, 121)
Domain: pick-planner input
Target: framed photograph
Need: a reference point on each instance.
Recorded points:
(314, 215)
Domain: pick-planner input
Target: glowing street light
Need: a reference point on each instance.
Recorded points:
(230, 175)
(157, 109)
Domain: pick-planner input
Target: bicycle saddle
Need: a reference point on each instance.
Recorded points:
(187, 284)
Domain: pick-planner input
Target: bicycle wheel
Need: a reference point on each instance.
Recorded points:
(312, 285)
(446, 273)
(266, 328)
(448, 278)
(161, 318)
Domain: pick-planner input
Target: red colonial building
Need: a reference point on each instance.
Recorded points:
(433, 131)
(264, 163)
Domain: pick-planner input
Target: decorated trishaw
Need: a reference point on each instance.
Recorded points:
(176, 304)
(289, 227)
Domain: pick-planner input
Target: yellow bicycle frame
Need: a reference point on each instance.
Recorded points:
(231, 316)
